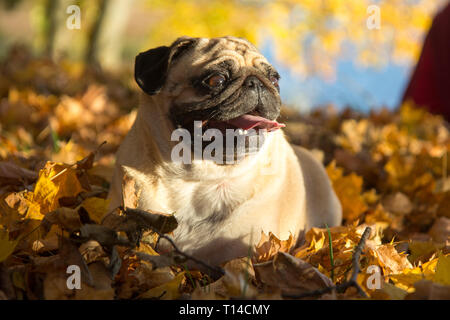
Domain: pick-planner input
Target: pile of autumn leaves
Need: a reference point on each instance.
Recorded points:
(389, 170)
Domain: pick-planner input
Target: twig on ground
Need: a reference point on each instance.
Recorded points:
(345, 285)
(216, 271)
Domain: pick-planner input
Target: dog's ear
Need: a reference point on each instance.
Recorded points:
(150, 68)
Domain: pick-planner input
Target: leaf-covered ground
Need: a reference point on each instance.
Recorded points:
(389, 169)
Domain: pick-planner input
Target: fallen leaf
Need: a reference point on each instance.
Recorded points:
(66, 218)
(348, 189)
(427, 290)
(167, 291)
(269, 246)
(96, 207)
(130, 192)
(7, 246)
(12, 174)
(397, 203)
(442, 275)
(290, 274)
(440, 231)
(55, 181)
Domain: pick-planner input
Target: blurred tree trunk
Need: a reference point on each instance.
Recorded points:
(49, 25)
(110, 42)
(105, 39)
(94, 32)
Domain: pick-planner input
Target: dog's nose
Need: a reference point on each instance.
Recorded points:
(253, 82)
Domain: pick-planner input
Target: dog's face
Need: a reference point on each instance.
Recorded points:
(223, 82)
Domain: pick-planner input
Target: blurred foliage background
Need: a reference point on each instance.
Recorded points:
(303, 37)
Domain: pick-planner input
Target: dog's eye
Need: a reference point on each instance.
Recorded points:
(274, 80)
(216, 81)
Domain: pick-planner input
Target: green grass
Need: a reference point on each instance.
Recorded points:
(330, 245)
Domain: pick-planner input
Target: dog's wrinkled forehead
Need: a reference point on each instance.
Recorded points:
(206, 52)
(188, 57)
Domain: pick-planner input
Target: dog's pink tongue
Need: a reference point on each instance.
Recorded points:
(248, 121)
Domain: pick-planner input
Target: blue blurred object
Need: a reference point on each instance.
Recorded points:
(361, 88)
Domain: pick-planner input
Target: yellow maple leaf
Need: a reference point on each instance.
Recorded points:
(442, 275)
(146, 248)
(422, 249)
(56, 180)
(348, 189)
(427, 271)
(167, 291)
(96, 207)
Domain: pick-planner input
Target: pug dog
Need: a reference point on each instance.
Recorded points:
(222, 207)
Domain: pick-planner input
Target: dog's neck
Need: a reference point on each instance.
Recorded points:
(152, 120)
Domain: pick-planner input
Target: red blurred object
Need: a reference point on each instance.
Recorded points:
(429, 86)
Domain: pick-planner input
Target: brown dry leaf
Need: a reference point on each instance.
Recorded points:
(237, 281)
(12, 174)
(148, 278)
(397, 203)
(101, 289)
(388, 292)
(240, 266)
(55, 270)
(55, 286)
(44, 245)
(152, 220)
(87, 162)
(130, 192)
(442, 185)
(269, 246)
(157, 261)
(427, 290)
(105, 236)
(92, 251)
(291, 275)
(389, 259)
(440, 231)
(66, 218)
(7, 246)
(13, 209)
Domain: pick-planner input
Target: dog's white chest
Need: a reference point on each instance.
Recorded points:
(204, 209)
